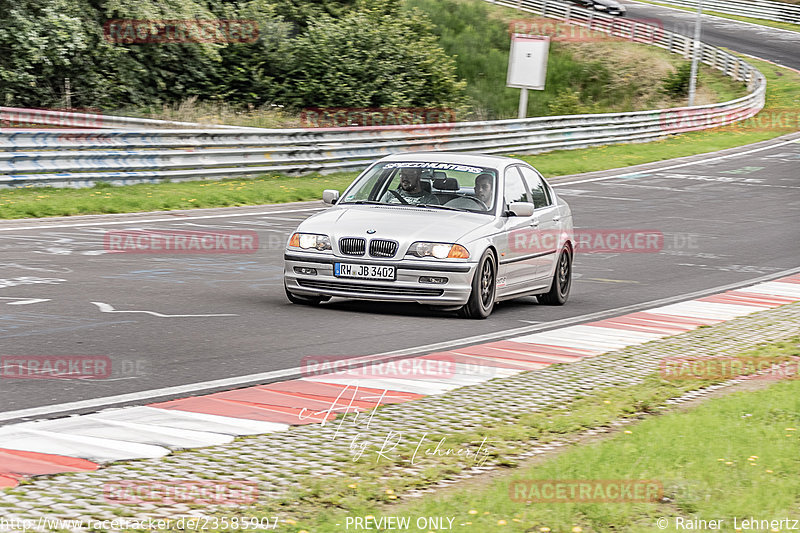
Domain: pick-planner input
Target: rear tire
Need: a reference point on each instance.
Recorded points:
(305, 300)
(484, 286)
(562, 281)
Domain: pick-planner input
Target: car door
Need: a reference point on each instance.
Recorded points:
(519, 264)
(547, 215)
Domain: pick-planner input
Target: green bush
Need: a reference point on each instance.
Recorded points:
(369, 59)
(676, 84)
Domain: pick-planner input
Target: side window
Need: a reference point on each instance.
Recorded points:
(539, 192)
(514, 190)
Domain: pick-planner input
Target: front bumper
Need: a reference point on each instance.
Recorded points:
(405, 288)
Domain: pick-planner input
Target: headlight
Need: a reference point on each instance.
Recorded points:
(307, 241)
(438, 250)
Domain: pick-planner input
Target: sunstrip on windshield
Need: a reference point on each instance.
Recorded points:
(437, 166)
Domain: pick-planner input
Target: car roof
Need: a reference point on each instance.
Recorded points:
(466, 158)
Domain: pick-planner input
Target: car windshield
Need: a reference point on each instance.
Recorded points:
(451, 186)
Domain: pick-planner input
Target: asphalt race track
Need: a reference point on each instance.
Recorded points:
(725, 219)
(779, 46)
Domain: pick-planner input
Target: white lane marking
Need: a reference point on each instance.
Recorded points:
(785, 290)
(28, 280)
(58, 269)
(426, 388)
(132, 432)
(706, 310)
(292, 373)
(567, 341)
(95, 449)
(106, 308)
(24, 301)
(188, 420)
(148, 221)
(605, 197)
(679, 165)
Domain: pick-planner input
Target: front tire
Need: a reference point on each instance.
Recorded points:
(305, 300)
(484, 285)
(562, 281)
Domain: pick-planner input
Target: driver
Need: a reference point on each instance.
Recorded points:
(410, 189)
(481, 200)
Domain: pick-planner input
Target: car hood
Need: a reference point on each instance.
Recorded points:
(403, 224)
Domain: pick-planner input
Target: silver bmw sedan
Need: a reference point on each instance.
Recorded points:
(454, 230)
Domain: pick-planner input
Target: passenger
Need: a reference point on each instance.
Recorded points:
(410, 190)
(483, 188)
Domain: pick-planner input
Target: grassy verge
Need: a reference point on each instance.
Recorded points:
(104, 198)
(763, 22)
(783, 101)
(734, 456)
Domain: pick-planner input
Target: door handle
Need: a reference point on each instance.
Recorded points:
(556, 218)
(535, 222)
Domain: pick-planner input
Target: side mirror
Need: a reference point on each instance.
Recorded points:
(521, 209)
(330, 196)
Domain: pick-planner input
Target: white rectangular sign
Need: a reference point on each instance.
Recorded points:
(527, 63)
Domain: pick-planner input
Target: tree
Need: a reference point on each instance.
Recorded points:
(369, 59)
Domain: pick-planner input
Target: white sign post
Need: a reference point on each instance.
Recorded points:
(527, 66)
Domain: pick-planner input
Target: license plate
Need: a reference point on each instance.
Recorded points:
(350, 270)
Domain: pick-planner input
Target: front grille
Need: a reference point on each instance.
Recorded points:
(368, 289)
(352, 246)
(381, 248)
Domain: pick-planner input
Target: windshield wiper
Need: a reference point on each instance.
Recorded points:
(447, 207)
(362, 202)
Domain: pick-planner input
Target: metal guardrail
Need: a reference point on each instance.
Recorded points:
(50, 117)
(761, 9)
(81, 157)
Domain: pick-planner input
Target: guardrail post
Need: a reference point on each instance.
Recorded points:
(544, 8)
(569, 12)
(670, 41)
